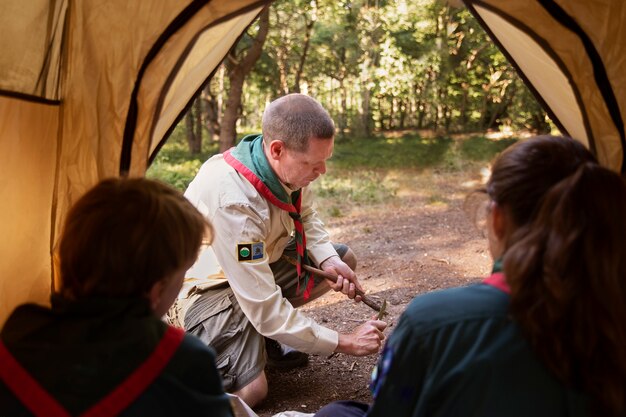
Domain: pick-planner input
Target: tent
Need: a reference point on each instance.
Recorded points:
(89, 89)
(570, 53)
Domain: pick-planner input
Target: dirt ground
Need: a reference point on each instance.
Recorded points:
(420, 241)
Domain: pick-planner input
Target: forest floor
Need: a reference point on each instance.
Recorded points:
(420, 240)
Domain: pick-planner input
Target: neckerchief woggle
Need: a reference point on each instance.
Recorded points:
(248, 159)
(496, 279)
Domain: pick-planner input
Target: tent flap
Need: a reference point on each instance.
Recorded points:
(75, 77)
(571, 55)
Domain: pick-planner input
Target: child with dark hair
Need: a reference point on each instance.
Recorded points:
(545, 334)
(101, 348)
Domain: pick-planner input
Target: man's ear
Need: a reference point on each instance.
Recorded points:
(276, 149)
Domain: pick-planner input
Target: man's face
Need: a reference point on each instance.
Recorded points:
(299, 169)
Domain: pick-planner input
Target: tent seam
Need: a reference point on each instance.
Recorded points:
(178, 64)
(541, 42)
(599, 71)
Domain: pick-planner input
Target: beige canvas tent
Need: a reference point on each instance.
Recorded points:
(572, 53)
(89, 89)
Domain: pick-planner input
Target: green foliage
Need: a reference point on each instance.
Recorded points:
(372, 170)
(409, 151)
(385, 65)
(179, 175)
(342, 189)
(479, 148)
(336, 43)
(174, 163)
(362, 172)
(414, 151)
(364, 186)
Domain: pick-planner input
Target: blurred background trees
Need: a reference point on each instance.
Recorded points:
(376, 65)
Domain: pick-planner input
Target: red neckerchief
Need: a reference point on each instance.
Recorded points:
(294, 213)
(496, 279)
(39, 402)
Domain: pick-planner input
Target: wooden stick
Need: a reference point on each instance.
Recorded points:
(332, 277)
(381, 312)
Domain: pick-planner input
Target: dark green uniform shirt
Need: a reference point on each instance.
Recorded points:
(80, 351)
(456, 353)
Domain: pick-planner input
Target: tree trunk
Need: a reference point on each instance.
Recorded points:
(447, 118)
(538, 122)
(305, 50)
(194, 143)
(283, 70)
(463, 109)
(499, 111)
(211, 113)
(198, 104)
(228, 131)
(220, 95)
(420, 114)
(343, 109)
(365, 125)
(418, 93)
(366, 112)
(238, 70)
(392, 114)
(483, 111)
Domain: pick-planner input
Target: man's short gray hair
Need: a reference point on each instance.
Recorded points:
(294, 119)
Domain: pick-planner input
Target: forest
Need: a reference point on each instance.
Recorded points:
(376, 66)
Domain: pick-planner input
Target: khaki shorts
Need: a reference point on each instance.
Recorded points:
(216, 318)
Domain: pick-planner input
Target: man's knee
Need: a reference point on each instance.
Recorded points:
(255, 392)
(350, 259)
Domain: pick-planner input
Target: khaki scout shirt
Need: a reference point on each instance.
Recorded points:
(239, 214)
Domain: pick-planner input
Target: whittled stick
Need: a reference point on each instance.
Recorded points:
(367, 300)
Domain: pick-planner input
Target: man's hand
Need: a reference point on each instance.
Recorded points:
(366, 339)
(347, 282)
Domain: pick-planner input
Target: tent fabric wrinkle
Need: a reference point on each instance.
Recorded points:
(160, 65)
(190, 75)
(584, 42)
(599, 70)
(561, 97)
(69, 73)
(30, 63)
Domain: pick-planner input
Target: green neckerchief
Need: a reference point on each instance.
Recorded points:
(497, 266)
(250, 153)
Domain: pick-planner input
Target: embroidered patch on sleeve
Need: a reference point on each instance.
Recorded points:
(250, 251)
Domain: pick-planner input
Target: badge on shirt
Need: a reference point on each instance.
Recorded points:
(250, 251)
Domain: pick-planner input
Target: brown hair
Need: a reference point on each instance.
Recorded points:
(524, 173)
(124, 235)
(294, 119)
(566, 263)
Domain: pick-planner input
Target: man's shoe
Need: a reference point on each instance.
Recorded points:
(280, 356)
